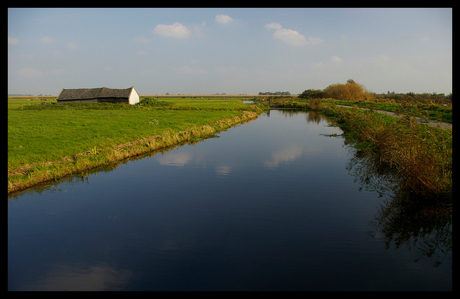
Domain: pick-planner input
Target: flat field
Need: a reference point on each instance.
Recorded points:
(48, 135)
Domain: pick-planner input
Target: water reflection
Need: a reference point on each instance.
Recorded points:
(311, 116)
(284, 155)
(223, 170)
(268, 206)
(80, 278)
(420, 224)
(174, 159)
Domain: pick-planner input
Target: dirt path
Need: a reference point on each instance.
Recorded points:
(433, 123)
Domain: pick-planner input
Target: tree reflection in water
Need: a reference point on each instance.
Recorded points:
(420, 223)
(311, 116)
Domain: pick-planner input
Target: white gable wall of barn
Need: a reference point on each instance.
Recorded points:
(133, 96)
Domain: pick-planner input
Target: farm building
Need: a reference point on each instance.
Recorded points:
(99, 95)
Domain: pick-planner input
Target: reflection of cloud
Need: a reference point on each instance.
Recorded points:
(284, 155)
(223, 170)
(174, 159)
(68, 278)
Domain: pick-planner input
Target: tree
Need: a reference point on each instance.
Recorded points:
(348, 92)
(351, 81)
(312, 94)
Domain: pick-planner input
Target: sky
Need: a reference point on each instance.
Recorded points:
(229, 50)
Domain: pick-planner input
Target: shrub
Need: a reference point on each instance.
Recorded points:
(154, 102)
(348, 92)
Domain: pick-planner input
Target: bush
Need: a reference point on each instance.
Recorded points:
(154, 102)
(348, 92)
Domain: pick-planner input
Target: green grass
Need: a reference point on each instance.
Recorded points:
(18, 103)
(48, 135)
(211, 103)
(430, 111)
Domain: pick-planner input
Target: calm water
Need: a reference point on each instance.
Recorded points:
(269, 205)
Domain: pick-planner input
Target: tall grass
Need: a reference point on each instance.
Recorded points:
(421, 155)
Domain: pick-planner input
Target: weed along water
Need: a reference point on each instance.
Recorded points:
(279, 203)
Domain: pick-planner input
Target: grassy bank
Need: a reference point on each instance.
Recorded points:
(46, 144)
(420, 155)
(431, 111)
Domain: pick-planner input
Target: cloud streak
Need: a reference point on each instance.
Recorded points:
(190, 71)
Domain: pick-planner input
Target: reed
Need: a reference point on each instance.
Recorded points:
(421, 155)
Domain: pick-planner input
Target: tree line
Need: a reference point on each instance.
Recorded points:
(282, 93)
(352, 91)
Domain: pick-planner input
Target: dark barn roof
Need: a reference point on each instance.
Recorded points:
(93, 93)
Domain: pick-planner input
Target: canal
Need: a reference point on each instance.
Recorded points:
(276, 204)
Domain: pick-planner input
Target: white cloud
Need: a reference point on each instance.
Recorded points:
(315, 40)
(336, 59)
(12, 40)
(142, 39)
(29, 72)
(72, 46)
(176, 30)
(189, 71)
(47, 40)
(223, 19)
(198, 29)
(275, 26)
(292, 37)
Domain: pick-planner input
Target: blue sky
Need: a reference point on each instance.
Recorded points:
(229, 50)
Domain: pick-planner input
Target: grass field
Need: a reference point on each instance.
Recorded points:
(38, 136)
(46, 141)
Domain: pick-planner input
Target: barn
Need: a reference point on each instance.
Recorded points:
(99, 95)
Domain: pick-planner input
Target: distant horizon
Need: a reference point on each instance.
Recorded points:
(229, 50)
(204, 94)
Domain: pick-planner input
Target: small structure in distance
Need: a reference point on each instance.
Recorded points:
(99, 95)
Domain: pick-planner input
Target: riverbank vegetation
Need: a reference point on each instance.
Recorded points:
(419, 155)
(46, 142)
